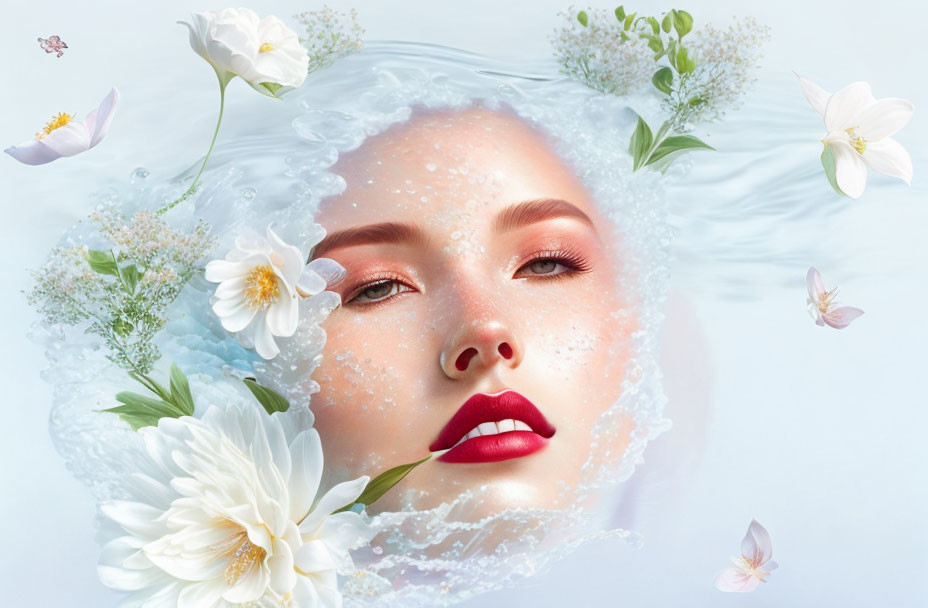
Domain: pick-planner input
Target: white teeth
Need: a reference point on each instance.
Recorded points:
(488, 428)
(494, 428)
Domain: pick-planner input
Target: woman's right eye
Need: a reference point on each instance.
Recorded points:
(378, 291)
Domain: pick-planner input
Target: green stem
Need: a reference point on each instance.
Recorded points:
(222, 102)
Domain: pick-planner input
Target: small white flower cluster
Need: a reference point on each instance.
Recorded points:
(125, 290)
(330, 35)
(598, 54)
(725, 60)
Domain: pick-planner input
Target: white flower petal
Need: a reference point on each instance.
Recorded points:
(264, 340)
(306, 456)
(850, 170)
(250, 587)
(814, 284)
(136, 518)
(221, 270)
(314, 556)
(33, 152)
(71, 139)
(887, 156)
(310, 283)
(201, 595)
(292, 259)
(337, 497)
(846, 105)
(234, 316)
(884, 118)
(345, 531)
(99, 120)
(328, 269)
(284, 314)
(814, 94)
(230, 288)
(280, 565)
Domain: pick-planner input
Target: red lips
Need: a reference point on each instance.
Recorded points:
(482, 408)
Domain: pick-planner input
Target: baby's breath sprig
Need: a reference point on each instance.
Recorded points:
(124, 291)
(698, 80)
(330, 35)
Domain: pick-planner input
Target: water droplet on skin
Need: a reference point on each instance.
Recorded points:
(431, 167)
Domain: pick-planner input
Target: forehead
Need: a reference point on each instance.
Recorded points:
(448, 166)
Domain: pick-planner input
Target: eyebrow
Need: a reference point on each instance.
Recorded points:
(512, 217)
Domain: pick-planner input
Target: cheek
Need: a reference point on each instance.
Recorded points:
(366, 390)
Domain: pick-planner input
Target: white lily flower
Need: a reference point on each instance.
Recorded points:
(261, 282)
(859, 130)
(822, 306)
(264, 52)
(223, 515)
(64, 136)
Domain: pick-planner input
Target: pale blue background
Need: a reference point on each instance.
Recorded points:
(841, 487)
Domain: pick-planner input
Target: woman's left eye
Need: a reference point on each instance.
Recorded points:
(552, 267)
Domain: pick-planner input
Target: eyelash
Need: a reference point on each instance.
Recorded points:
(574, 262)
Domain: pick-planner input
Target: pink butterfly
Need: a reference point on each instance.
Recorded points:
(53, 44)
(822, 306)
(756, 551)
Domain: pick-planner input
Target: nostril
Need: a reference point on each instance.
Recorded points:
(505, 350)
(464, 359)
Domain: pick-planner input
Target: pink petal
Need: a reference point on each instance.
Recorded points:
(736, 580)
(756, 545)
(815, 285)
(33, 152)
(839, 318)
(814, 94)
(846, 105)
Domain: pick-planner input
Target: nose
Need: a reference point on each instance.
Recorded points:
(479, 345)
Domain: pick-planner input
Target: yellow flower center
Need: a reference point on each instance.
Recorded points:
(245, 557)
(261, 288)
(267, 47)
(58, 120)
(858, 143)
(827, 299)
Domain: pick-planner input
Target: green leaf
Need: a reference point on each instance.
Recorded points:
(139, 410)
(663, 80)
(682, 22)
(672, 53)
(620, 13)
(122, 327)
(270, 399)
(666, 23)
(655, 26)
(628, 21)
(102, 262)
(379, 485)
(131, 275)
(685, 65)
(677, 143)
(640, 143)
(655, 44)
(180, 391)
(828, 162)
(151, 385)
(625, 37)
(583, 18)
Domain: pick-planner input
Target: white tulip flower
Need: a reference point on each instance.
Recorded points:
(261, 282)
(859, 130)
(64, 136)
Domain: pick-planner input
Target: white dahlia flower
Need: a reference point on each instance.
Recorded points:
(224, 515)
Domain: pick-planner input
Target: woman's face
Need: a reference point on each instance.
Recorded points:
(477, 264)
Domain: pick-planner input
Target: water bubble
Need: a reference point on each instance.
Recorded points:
(249, 193)
(377, 550)
(138, 174)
